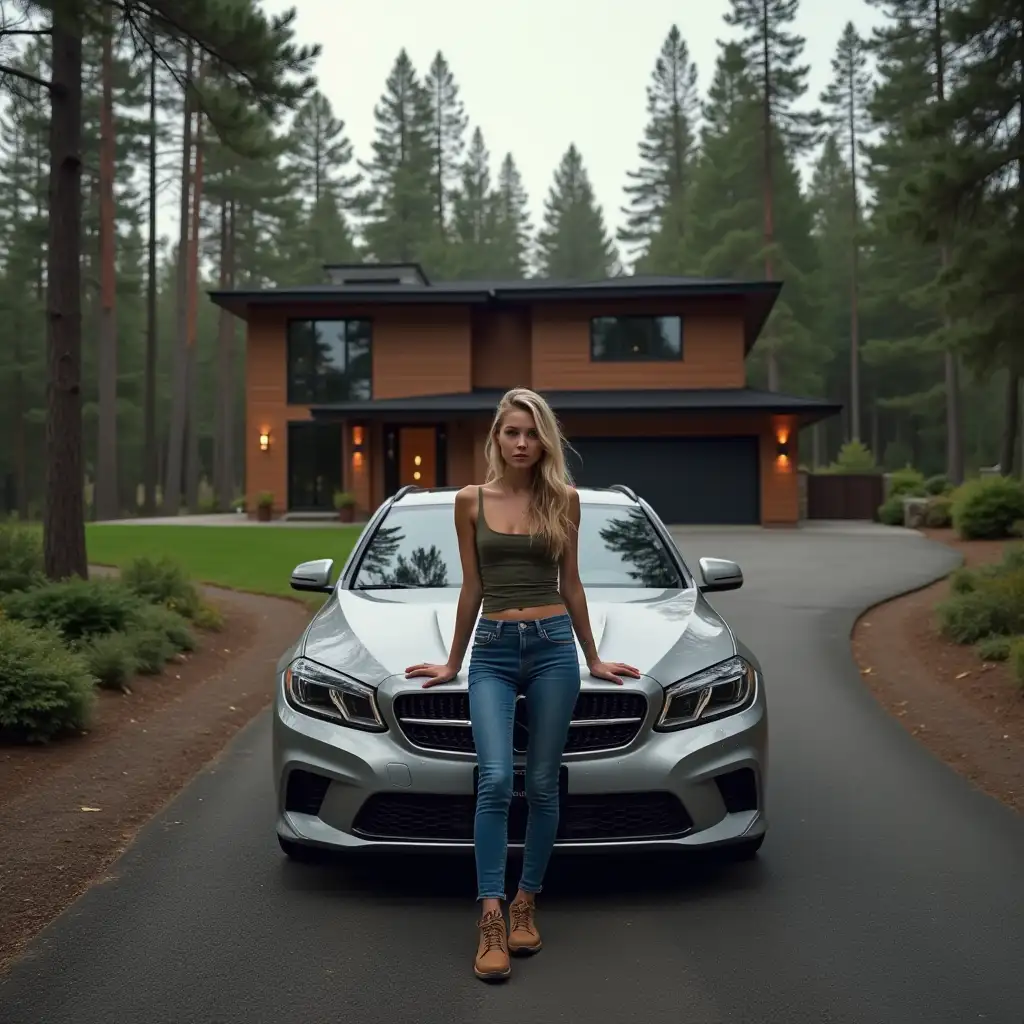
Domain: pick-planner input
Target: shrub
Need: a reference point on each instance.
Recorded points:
(21, 558)
(1017, 661)
(111, 659)
(994, 606)
(853, 457)
(162, 581)
(938, 484)
(994, 648)
(154, 618)
(1017, 530)
(208, 617)
(152, 650)
(986, 509)
(45, 689)
(78, 608)
(906, 483)
(890, 511)
(939, 513)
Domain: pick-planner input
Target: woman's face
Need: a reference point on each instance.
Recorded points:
(518, 440)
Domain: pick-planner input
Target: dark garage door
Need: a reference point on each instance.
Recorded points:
(685, 479)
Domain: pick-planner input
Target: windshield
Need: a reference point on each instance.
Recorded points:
(418, 547)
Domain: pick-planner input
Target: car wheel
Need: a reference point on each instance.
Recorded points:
(300, 852)
(747, 849)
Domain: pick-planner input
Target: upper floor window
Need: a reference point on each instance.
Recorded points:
(329, 361)
(636, 339)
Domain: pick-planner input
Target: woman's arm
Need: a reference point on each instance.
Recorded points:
(570, 586)
(469, 596)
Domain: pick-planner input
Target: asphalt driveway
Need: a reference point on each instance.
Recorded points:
(888, 892)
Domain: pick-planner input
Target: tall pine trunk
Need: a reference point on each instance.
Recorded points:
(107, 500)
(855, 405)
(224, 470)
(768, 183)
(150, 456)
(954, 420)
(1011, 415)
(179, 392)
(192, 464)
(64, 513)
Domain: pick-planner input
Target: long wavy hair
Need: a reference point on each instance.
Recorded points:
(549, 498)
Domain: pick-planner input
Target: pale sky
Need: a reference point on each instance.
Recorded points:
(537, 75)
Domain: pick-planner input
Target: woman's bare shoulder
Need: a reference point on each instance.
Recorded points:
(466, 495)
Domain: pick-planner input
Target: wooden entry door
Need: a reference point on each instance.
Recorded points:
(417, 456)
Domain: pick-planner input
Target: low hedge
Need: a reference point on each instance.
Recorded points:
(46, 690)
(988, 508)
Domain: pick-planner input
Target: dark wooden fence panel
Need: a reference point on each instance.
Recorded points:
(844, 495)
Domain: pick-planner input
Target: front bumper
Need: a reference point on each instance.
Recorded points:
(346, 789)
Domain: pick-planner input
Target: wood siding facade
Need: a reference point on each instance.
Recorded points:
(439, 349)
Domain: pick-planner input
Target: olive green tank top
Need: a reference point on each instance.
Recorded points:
(516, 570)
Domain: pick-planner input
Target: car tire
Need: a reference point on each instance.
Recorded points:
(300, 852)
(746, 849)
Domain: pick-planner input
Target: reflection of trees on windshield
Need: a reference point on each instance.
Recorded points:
(425, 567)
(630, 536)
(381, 553)
(384, 565)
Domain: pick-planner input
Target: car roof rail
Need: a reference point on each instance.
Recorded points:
(407, 489)
(627, 491)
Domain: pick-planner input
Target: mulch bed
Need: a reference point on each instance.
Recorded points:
(68, 809)
(968, 712)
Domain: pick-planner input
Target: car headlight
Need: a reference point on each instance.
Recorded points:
(707, 696)
(322, 692)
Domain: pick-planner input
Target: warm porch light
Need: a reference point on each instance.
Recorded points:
(782, 448)
(357, 437)
(265, 439)
(357, 460)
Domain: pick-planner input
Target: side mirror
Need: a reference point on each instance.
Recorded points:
(720, 574)
(313, 576)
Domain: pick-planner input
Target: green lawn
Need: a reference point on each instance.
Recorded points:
(250, 558)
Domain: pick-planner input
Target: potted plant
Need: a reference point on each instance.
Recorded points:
(265, 507)
(345, 503)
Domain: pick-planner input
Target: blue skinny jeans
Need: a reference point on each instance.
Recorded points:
(535, 658)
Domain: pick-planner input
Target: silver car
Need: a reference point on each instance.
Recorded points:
(365, 759)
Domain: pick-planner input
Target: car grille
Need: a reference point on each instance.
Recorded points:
(600, 721)
(426, 817)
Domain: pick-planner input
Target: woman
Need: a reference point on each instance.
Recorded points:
(518, 544)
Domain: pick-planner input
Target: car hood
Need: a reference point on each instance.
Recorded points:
(666, 634)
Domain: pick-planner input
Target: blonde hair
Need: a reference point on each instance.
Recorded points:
(550, 495)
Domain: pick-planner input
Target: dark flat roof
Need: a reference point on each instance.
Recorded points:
(611, 402)
(757, 297)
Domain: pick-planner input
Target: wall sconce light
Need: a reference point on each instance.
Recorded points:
(265, 439)
(357, 437)
(357, 460)
(782, 448)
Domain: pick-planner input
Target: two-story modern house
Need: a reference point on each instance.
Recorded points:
(382, 378)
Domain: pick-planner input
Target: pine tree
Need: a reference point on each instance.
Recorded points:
(913, 54)
(846, 100)
(320, 155)
(398, 201)
(657, 192)
(772, 54)
(574, 243)
(447, 138)
(512, 230)
(473, 215)
(978, 181)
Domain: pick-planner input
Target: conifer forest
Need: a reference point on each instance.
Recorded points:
(891, 206)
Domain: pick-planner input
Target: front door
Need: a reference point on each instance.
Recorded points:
(314, 466)
(417, 456)
(414, 454)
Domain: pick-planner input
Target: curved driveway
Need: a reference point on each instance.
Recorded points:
(888, 892)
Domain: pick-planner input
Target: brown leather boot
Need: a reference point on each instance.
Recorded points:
(492, 962)
(524, 938)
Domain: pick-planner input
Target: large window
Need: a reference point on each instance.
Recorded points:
(329, 361)
(636, 339)
(418, 547)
